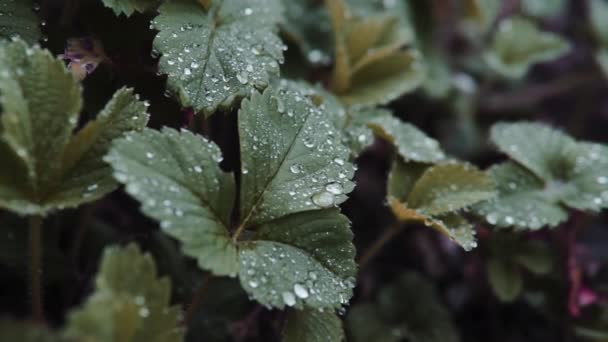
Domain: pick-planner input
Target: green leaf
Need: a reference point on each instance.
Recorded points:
(373, 64)
(53, 169)
(128, 7)
(505, 279)
(292, 159)
(402, 177)
(291, 247)
(408, 309)
(212, 57)
(521, 201)
(307, 24)
(518, 44)
(130, 302)
(574, 173)
(312, 326)
(176, 178)
(481, 14)
(449, 187)
(542, 8)
(410, 142)
(18, 19)
(26, 332)
(535, 256)
(598, 10)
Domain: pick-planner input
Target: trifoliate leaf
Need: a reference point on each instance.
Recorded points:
(18, 19)
(128, 7)
(518, 44)
(542, 8)
(575, 174)
(27, 332)
(521, 201)
(212, 57)
(130, 302)
(49, 167)
(402, 177)
(449, 187)
(372, 63)
(410, 142)
(291, 247)
(505, 278)
(432, 195)
(313, 326)
(408, 309)
(292, 158)
(452, 225)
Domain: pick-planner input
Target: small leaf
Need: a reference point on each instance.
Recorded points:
(373, 64)
(214, 57)
(18, 19)
(41, 102)
(408, 309)
(410, 142)
(130, 302)
(521, 201)
(505, 279)
(27, 332)
(449, 187)
(402, 177)
(518, 44)
(535, 256)
(128, 7)
(179, 183)
(451, 225)
(312, 326)
(481, 13)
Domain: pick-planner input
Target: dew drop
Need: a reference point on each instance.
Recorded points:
(296, 168)
(300, 291)
(323, 199)
(289, 299)
(334, 188)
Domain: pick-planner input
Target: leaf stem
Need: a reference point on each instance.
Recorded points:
(197, 299)
(35, 223)
(389, 233)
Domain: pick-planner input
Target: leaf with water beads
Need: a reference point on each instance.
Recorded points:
(18, 19)
(292, 157)
(518, 44)
(313, 326)
(408, 309)
(50, 167)
(130, 302)
(215, 56)
(410, 142)
(521, 201)
(128, 7)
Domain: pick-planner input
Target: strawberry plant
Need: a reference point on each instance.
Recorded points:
(303, 170)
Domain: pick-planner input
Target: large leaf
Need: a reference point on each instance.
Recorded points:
(19, 20)
(128, 7)
(215, 56)
(49, 167)
(291, 247)
(518, 44)
(312, 326)
(521, 201)
(407, 309)
(373, 64)
(130, 302)
(410, 142)
(575, 174)
(292, 158)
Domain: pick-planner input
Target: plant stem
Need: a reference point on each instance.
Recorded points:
(197, 299)
(35, 223)
(382, 240)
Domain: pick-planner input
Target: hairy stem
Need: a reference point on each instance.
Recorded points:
(35, 223)
(392, 231)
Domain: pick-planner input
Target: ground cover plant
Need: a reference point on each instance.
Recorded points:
(303, 170)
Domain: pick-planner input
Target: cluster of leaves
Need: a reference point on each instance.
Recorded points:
(272, 219)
